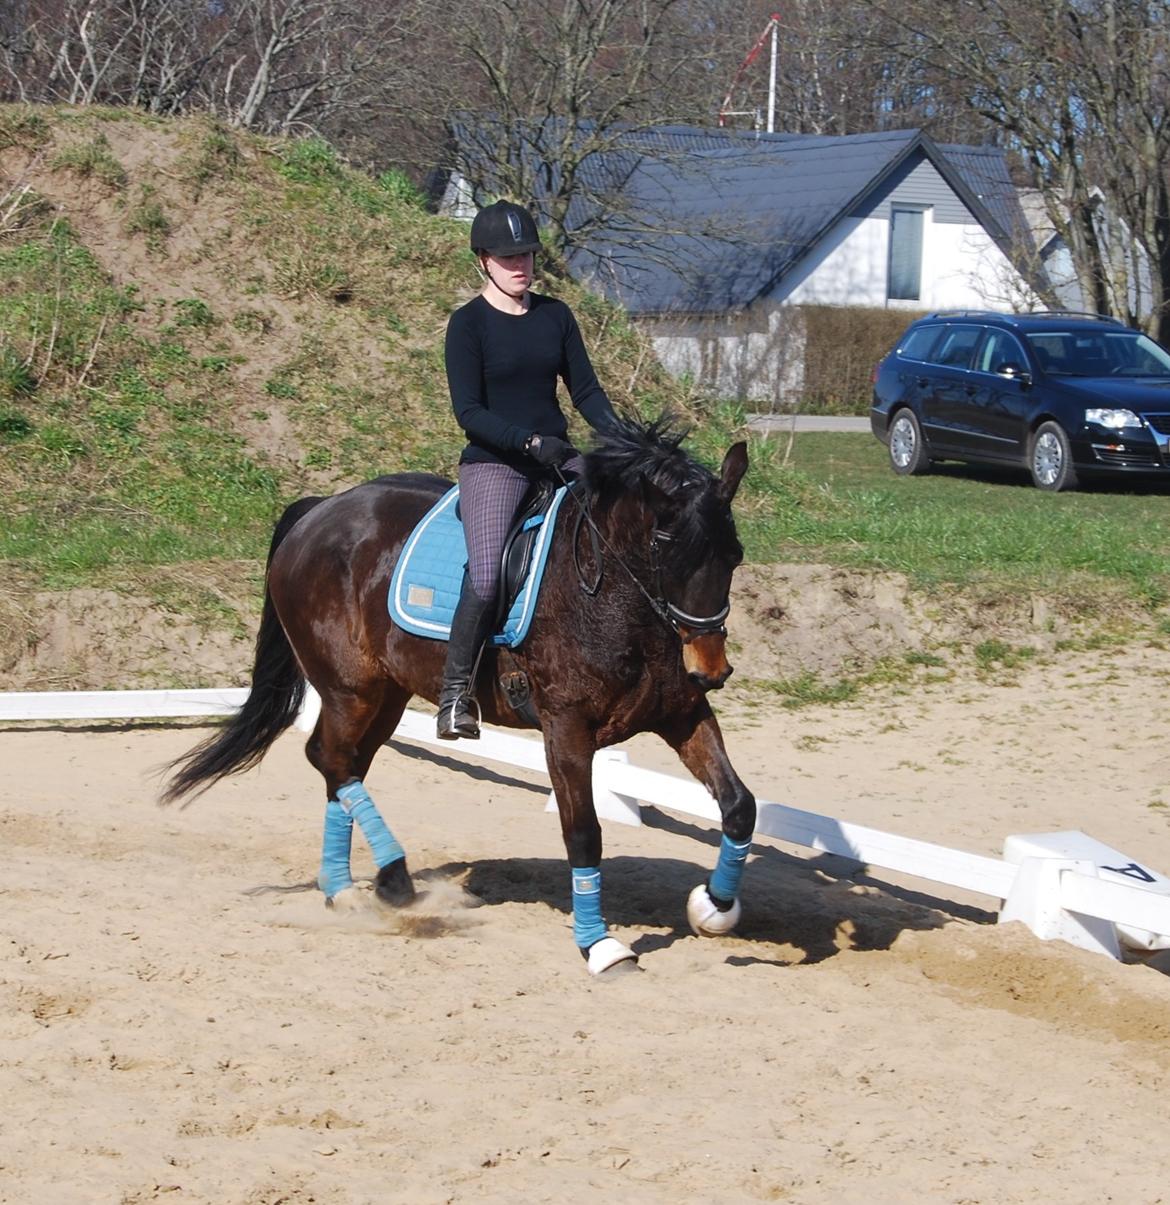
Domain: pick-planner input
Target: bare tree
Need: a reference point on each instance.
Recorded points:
(296, 63)
(1080, 89)
(271, 65)
(560, 84)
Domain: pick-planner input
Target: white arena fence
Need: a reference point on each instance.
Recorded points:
(1061, 885)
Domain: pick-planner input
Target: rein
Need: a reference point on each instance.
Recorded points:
(674, 617)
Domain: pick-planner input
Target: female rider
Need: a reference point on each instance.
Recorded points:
(505, 350)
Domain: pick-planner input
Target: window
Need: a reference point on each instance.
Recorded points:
(1000, 348)
(919, 342)
(957, 345)
(905, 254)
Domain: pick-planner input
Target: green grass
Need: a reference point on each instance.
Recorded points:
(837, 501)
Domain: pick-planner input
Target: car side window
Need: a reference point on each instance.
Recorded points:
(919, 342)
(955, 347)
(1000, 348)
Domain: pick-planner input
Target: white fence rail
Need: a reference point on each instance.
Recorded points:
(1062, 885)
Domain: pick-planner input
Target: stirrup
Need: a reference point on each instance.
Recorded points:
(456, 720)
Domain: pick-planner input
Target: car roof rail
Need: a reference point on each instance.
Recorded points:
(1014, 317)
(1075, 314)
(969, 314)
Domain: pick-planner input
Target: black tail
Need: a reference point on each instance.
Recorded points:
(278, 689)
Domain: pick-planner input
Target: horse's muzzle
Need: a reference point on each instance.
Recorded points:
(705, 660)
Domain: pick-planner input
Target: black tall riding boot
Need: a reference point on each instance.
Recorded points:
(470, 627)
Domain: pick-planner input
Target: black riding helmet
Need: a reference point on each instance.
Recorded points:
(504, 229)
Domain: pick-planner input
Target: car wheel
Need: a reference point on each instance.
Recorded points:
(908, 453)
(1050, 459)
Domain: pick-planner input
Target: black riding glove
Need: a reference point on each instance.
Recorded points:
(549, 451)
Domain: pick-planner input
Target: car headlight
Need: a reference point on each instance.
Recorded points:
(1114, 419)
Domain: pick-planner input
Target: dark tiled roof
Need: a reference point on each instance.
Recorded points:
(984, 170)
(707, 230)
(709, 220)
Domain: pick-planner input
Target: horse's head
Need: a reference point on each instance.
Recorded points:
(690, 545)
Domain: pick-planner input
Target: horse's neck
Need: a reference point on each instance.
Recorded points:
(626, 525)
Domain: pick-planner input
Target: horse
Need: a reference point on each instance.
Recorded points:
(628, 636)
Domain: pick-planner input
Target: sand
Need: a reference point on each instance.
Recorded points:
(177, 1026)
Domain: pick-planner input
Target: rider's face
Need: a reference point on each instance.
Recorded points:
(511, 274)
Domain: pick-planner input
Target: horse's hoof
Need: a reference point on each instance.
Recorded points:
(348, 899)
(610, 957)
(392, 884)
(705, 916)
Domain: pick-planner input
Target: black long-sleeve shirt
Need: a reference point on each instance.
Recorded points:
(502, 371)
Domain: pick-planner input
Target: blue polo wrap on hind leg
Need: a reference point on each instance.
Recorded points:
(725, 881)
(588, 927)
(334, 876)
(356, 801)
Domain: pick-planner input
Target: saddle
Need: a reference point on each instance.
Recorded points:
(425, 586)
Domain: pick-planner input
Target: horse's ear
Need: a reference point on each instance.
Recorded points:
(735, 464)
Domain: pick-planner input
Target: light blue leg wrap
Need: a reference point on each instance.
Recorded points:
(334, 876)
(356, 801)
(724, 884)
(588, 927)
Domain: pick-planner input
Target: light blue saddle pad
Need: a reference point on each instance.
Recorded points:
(429, 575)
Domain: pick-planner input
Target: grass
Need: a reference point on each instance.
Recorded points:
(837, 501)
(130, 396)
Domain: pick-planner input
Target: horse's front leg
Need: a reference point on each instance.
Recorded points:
(569, 747)
(713, 908)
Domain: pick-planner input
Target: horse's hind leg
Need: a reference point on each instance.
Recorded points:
(350, 731)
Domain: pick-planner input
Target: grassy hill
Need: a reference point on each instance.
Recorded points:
(197, 326)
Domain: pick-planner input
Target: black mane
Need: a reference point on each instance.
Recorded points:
(634, 451)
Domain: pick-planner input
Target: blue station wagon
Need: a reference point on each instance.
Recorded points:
(1064, 395)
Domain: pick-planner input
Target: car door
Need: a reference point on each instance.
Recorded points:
(947, 389)
(1001, 400)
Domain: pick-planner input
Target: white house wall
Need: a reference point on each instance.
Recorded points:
(757, 355)
(962, 268)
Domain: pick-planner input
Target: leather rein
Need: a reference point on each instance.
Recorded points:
(675, 617)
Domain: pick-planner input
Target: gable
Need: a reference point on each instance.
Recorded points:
(685, 220)
(918, 182)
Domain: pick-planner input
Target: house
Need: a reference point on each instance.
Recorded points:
(1128, 277)
(712, 240)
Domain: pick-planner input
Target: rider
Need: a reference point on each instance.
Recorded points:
(505, 350)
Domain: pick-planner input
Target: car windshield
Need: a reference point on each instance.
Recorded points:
(1081, 353)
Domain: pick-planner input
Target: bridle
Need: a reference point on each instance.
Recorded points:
(706, 625)
(678, 619)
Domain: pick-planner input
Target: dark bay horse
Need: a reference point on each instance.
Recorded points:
(635, 652)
